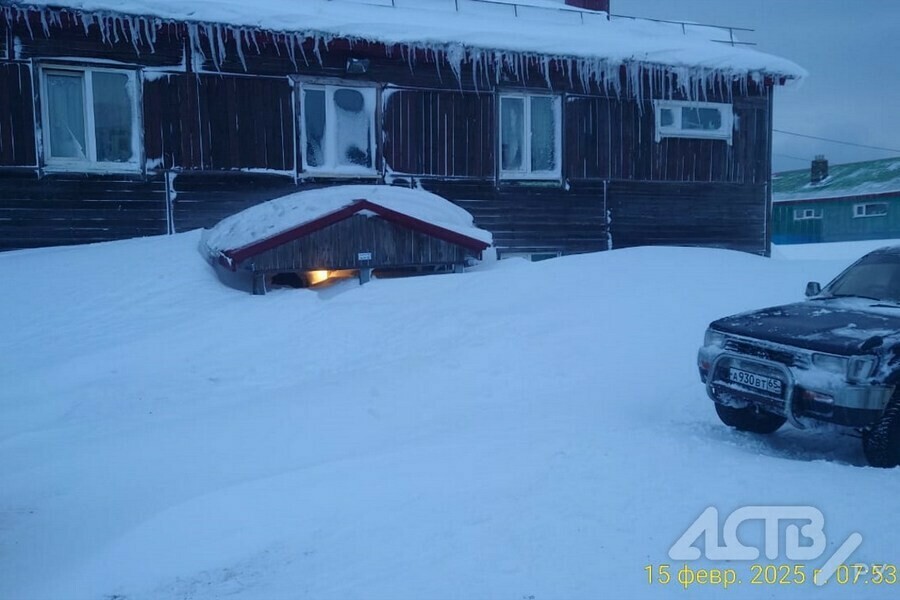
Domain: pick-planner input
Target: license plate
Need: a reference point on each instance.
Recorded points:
(759, 382)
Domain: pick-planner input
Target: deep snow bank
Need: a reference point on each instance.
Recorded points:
(520, 430)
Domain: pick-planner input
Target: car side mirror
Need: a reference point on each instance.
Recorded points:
(813, 289)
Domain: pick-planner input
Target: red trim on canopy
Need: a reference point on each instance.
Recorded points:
(238, 255)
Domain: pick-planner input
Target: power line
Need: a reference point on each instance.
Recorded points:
(813, 137)
(793, 157)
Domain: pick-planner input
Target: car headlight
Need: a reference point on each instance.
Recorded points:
(714, 338)
(830, 363)
(861, 367)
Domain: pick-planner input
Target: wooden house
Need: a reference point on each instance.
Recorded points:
(561, 128)
(849, 202)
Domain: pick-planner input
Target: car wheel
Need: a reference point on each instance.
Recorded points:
(750, 418)
(881, 442)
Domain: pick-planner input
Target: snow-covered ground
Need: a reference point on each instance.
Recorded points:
(521, 431)
(829, 251)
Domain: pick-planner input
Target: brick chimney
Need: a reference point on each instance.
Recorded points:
(590, 4)
(819, 170)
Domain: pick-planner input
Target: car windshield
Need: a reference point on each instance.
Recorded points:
(876, 276)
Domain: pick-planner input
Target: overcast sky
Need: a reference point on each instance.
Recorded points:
(851, 49)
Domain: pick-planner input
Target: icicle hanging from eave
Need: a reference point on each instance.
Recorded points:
(137, 30)
(634, 79)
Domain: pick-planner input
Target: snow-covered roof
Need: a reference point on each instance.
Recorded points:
(852, 179)
(534, 27)
(273, 218)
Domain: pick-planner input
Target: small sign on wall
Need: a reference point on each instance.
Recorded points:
(364, 256)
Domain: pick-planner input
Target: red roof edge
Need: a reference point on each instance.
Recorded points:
(470, 243)
(238, 255)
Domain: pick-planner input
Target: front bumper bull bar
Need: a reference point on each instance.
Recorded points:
(787, 381)
(865, 400)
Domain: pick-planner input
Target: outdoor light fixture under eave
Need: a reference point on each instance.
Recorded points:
(357, 66)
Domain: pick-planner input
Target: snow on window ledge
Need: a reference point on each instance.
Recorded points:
(340, 173)
(697, 120)
(91, 168)
(537, 177)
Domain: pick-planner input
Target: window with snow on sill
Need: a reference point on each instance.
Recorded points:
(338, 129)
(90, 119)
(530, 134)
(703, 120)
(875, 209)
(807, 214)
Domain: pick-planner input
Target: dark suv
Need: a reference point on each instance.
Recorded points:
(833, 358)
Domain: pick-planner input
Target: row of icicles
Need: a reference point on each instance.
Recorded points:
(208, 43)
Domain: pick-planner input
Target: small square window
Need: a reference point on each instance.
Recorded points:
(530, 136)
(694, 120)
(338, 129)
(806, 214)
(90, 118)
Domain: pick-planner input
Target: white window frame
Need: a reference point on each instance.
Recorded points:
(860, 211)
(331, 166)
(527, 172)
(90, 163)
(807, 214)
(724, 132)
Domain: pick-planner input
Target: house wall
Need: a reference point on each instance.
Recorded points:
(440, 134)
(223, 131)
(837, 223)
(77, 209)
(17, 146)
(214, 122)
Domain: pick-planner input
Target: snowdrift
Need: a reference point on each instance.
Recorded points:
(526, 430)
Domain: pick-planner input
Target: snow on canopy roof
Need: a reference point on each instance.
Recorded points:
(852, 179)
(270, 219)
(533, 27)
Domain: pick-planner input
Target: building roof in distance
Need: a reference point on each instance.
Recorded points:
(867, 178)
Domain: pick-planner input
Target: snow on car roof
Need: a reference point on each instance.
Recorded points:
(536, 27)
(269, 219)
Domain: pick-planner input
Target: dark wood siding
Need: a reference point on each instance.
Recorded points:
(533, 218)
(609, 138)
(6, 40)
(16, 116)
(248, 123)
(688, 214)
(439, 133)
(219, 122)
(77, 209)
(204, 199)
(337, 247)
(171, 122)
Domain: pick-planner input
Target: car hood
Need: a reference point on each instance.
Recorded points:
(833, 325)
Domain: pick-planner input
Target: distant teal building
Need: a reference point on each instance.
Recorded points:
(856, 201)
